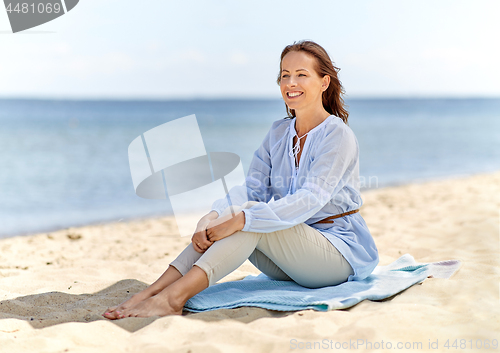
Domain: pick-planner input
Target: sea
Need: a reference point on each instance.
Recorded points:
(64, 163)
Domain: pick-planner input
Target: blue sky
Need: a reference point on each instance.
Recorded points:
(211, 49)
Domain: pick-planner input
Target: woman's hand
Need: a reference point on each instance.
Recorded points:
(199, 238)
(223, 227)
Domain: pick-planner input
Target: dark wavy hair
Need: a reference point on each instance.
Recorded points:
(332, 97)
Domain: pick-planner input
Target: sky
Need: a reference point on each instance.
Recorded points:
(159, 49)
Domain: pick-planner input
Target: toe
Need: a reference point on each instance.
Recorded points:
(116, 315)
(109, 315)
(109, 311)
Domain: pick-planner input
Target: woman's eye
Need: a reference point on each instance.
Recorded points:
(301, 75)
(284, 76)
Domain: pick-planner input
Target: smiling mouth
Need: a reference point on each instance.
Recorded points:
(293, 95)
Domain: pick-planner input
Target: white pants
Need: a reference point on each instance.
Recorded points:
(301, 254)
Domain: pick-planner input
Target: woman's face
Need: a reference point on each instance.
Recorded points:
(301, 87)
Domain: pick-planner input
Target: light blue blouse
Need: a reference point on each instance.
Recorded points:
(326, 183)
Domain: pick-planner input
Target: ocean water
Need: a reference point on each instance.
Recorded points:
(65, 163)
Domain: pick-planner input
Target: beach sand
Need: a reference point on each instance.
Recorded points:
(55, 286)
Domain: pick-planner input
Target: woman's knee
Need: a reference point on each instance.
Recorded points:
(235, 209)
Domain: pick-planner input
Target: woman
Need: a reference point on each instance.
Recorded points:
(310, 232)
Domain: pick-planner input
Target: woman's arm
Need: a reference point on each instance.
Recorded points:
(335, 162)
(211, 215)
(225, 226)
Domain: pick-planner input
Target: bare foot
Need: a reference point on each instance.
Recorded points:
(116, 312)
(158, 305)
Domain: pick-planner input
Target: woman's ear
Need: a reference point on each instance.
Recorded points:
(326, 82)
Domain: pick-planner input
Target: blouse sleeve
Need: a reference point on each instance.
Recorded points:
(257, 185)
(333, 165)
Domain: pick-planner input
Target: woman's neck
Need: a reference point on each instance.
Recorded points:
(308, 120)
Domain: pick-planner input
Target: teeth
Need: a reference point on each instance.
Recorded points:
(294, 94)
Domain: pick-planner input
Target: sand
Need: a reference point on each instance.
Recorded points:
(54, 286)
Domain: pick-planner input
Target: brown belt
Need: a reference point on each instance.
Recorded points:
(331, 218)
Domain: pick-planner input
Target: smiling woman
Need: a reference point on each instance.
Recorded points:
(318, 66)
(294, 224)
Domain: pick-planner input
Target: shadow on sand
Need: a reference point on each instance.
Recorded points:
(53, 308)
